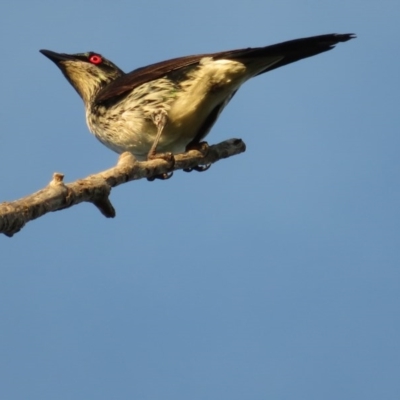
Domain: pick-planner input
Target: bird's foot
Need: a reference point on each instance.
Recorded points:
(162, 177)
(198, 168)
(169, 157)
(203, 147)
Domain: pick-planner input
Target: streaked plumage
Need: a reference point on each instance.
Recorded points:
(179, 98)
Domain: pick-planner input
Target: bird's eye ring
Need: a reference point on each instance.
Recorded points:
(95, 59)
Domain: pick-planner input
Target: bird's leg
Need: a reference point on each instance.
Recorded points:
(203, 148)
(160, 119)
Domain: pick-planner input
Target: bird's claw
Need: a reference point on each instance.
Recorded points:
(163, 177)
(203, 147)
(198, 168)
(169, 157)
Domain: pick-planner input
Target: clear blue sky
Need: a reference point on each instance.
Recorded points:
(274, 275)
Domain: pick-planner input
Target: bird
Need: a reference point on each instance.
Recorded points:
(169, 107)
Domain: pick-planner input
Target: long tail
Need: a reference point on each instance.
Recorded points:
(291, 51)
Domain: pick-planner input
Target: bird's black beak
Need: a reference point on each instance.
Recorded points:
(56, 57)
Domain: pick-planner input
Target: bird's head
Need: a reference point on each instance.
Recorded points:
(88, 73)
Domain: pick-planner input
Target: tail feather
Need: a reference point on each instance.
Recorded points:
(291, 51)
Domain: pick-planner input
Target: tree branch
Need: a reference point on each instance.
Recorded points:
(96, 188)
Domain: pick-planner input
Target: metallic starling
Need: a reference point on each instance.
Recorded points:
(170, 106)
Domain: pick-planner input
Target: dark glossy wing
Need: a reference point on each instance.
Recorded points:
(142, 75)
(291, 51)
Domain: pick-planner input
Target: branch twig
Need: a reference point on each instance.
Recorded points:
(96, 188)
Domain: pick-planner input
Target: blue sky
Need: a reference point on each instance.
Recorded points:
(274, 275)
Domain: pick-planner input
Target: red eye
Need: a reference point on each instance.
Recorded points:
(95, 59)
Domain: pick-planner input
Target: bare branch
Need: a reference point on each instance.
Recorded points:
(96, 188)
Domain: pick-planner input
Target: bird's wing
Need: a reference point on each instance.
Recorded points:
(137, 77)
(286, 52)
